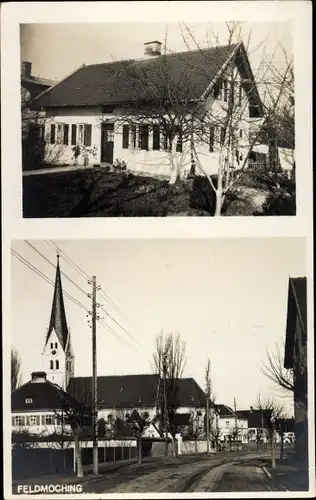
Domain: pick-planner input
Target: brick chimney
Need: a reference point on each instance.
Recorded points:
(26, 69)
(152, 49)
(38, 377)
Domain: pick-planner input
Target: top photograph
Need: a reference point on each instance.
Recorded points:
(158, 120)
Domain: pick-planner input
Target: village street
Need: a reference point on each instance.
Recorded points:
(228, 472)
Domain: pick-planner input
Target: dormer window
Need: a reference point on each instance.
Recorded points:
(254, 111)
(28, 401)
(139, 399)
(121, 389)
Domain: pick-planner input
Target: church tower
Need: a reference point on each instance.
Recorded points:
(58, 357)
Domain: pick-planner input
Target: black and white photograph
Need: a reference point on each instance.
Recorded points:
(190, 376)
(158, 119)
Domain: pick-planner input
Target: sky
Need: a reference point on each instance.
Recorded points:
(56, 50)
(227, 298)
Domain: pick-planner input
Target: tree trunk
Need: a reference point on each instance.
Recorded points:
(273, 451)
(196, 446)
(282, 446)
(78, 455)
(219, 189)
(140, 450)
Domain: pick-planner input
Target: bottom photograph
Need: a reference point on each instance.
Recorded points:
(159, 366)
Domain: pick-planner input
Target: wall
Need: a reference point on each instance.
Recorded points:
(189, 447)
(41, 429)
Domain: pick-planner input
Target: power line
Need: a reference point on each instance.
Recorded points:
(114, 305)
(45, 278)
(52, 264)
(68, 259)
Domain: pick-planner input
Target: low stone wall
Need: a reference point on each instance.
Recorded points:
(190, 447)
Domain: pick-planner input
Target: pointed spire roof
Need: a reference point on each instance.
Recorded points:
(58, 320)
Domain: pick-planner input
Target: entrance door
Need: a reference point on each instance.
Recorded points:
(107, 142)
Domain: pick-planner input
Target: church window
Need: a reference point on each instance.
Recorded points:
(51, 364)
(51, 345)
(56, 345)
(57, 365)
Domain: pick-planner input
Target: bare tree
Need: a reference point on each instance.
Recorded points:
(16, 377)
(168, 364)
(137, 422)
(273, 369)
(272, 411)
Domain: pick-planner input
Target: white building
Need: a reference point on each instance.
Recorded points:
(116, 110)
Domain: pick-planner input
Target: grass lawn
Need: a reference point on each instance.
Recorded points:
(99, 193)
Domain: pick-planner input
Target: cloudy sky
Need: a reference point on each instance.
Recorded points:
(57, 50)
(226, 298)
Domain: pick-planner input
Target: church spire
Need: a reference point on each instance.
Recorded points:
(58, 321)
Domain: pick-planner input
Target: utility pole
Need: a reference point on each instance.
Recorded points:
(164, 368)
(273, 442)
(94, 377)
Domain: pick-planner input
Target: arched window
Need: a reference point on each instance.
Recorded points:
(56, 345)
(51, 364)
(57, 365)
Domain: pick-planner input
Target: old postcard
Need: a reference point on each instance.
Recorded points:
(157, 249)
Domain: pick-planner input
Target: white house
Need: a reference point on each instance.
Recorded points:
(231, 424)
(153, 113)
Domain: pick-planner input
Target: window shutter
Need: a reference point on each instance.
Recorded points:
(66, 133)
(212, 136)
(125, 136)
(73, 135)
(144, 137)
(179, 141)
(87, 134)
(156, 137)
(52, 133)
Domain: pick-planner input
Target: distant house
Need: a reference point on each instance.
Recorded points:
(295, 358)
(257, 424)
(231, 424)
(109, 108)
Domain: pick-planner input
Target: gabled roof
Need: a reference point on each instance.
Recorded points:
(132, 391)
(137, 81)
(41, 396)
(58, 321)
(224, 411)
(256, 418)
(296, 306)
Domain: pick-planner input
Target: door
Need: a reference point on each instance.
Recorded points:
(107, 143)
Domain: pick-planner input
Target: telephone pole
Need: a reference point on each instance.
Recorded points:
(94, 378)
(164, 367)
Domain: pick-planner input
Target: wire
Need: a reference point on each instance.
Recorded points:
(52, 264)
(117, 336)
(68, 259)
(45, 278)
(114, 305)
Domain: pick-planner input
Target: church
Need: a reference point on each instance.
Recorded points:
(35, 404)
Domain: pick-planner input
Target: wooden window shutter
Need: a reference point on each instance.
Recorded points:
(52, 133)
(156, 137)
(212, 137)
(144, 137)
(66, 133)
(87, 134)
(73, 135)
(125, 136)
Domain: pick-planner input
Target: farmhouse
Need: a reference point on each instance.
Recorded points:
(157, 114)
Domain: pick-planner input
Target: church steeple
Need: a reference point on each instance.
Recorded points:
(58, 321)
(58, 358)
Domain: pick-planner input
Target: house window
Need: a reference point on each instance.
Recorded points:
(84, 134)
(33, 420)
(227, 423)
(125, 136)
(48, 420)
(254, 111)
(133, 137)
(28, 401)
(156, 137)
(20, 420)
(179, 140)
(51, 364)
(143, 137)
(212, 138)
(57, 364)
(60, 128)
